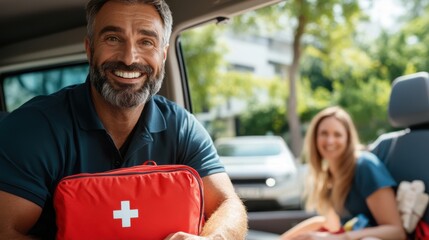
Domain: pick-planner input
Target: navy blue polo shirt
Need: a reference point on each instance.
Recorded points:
(54, 136)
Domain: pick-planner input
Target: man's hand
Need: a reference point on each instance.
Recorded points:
(184, 236)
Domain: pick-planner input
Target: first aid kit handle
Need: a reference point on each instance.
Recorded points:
(150, 162)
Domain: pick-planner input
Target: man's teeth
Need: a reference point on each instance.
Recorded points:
(123, 74)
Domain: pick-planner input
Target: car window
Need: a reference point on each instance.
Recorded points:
(21, 87)
(250, 76)
(248, 149)
(237, 89)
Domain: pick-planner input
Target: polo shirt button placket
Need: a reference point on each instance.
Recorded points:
(117, 163)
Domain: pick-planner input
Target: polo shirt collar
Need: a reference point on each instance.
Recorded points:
(153, 117)
(151, 121)
(83, 107)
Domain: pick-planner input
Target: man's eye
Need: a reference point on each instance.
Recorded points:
(112, 39)
(147, 43)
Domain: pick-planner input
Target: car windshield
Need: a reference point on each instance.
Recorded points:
(248, 150)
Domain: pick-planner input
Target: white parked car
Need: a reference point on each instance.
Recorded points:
(262, 170)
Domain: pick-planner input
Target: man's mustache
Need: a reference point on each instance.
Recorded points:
(135, 67)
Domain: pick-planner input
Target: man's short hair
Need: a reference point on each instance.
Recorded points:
(94, 6)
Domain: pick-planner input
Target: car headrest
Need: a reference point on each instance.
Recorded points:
(409, 100)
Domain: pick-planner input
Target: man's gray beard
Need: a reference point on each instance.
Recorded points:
(126, 96)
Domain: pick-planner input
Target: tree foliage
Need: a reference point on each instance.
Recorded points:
(203, 58)
(315, 21)
(336, 65)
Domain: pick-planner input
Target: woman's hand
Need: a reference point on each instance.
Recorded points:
(187, 236)
(320, 236)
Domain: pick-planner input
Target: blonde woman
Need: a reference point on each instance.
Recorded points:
(345, 182)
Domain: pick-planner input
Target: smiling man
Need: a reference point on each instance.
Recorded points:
(113, 120)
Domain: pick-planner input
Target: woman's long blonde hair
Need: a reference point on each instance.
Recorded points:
(322, 192)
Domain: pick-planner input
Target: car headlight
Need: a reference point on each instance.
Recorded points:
(270, 182)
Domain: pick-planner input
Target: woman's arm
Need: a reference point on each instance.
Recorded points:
(308, 225)
(382, 204)
(313, 224)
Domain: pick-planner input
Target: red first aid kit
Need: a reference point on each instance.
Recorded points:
(140, 202)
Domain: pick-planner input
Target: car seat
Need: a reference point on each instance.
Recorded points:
(406, 152)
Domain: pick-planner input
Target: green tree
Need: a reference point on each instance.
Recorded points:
(203, 58)
(367, 103)
(403, 52)
(211, 83)
(262, 120)
(350, 68)
(307, 19)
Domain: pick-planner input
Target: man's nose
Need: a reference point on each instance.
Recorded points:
(130, 53)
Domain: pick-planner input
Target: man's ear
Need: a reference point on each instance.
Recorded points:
(88, 48)
(165, 51)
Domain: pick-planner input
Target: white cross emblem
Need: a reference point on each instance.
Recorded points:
(125, 214)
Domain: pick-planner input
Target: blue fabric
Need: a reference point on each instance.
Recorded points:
(370, 175)
(54, 136)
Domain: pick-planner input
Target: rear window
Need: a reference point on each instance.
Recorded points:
(21, 87)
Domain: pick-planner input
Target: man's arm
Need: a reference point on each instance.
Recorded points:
(227, 217)
(17, 216)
